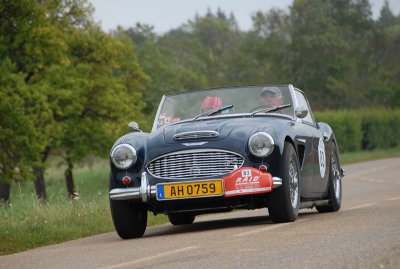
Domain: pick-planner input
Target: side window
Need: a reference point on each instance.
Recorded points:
(303, 102)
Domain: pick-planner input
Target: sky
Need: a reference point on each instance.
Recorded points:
(165, 15)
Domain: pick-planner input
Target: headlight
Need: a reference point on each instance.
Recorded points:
(261, 144)
(123, 156)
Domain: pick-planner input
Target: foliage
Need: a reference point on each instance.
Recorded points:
(381, 129)
(363, 129)
(65, 85)
(334, 50)
(347, 128)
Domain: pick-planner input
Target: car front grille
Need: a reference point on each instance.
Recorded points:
(199, 163)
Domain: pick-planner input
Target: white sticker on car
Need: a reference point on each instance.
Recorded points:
(246, 173)
(322, 159)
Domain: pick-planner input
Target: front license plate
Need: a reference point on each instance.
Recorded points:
(194, 189)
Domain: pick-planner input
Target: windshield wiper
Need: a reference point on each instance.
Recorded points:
(213, 111)
(271, 109)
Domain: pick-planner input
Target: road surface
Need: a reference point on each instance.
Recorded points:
(365, 233)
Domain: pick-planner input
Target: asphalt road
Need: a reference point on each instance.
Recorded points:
(365, 233)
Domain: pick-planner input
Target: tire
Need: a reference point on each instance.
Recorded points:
(129, 218)
(284, 202)
(334, 184)
(181, 219)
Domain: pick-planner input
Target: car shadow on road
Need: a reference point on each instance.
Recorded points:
(207, 225)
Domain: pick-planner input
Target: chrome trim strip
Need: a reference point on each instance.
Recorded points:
(125, 194)
(196, 135)
(158, 114)
(144, 192)
(144, 187)
(277, 182)
(301, 140)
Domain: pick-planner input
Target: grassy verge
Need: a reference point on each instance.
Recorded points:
(26, 224)
(363, 156)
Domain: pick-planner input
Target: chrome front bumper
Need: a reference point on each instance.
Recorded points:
(145, 191)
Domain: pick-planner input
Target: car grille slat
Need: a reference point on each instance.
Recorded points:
(195, 164)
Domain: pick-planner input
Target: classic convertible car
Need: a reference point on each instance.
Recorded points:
(221, 149)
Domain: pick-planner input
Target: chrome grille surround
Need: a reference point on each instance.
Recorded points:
(195, 134)
(195, 163)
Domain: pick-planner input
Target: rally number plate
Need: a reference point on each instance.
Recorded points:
(193, 189)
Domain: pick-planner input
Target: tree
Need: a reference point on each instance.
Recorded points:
(21, 108)
(75, 85)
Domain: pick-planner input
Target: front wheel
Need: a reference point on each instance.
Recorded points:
(129, 218)
(284, 202)
(334, 184)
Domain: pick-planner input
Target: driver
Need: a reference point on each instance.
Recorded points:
(271, 96)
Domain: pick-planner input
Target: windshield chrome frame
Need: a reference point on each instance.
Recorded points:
(158, 113)
(291, 91)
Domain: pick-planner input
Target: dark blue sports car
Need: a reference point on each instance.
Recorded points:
(221, 149)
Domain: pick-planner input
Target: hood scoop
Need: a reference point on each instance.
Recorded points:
(195, 135)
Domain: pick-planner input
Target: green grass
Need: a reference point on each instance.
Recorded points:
(26, 224)
(363, 156)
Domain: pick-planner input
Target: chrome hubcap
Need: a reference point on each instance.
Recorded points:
(293, 184)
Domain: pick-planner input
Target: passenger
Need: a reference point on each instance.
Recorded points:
(211, 102)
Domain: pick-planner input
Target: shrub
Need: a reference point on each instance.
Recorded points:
(347, 128)
(381, 128)
(364, 129)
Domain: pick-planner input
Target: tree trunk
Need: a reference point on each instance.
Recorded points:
(69, 180)
(40, 186)
(4, 193)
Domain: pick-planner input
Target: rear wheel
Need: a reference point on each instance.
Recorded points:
(334, 184)
(284, 202)
(181, 219)
(129, 218)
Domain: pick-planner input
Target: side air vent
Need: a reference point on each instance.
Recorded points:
(195, 135)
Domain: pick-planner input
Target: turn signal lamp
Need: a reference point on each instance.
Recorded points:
(126, 180)
(263, 168)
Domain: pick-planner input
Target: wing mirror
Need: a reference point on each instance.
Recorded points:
(134, 126)
(301, 112)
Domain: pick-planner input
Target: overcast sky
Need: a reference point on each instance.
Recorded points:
(168, 14)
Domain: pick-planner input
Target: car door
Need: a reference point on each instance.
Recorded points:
(320, 173)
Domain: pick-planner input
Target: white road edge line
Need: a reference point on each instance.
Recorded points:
(360, 206)
(149, 258)
(269, 227)
(393, 199)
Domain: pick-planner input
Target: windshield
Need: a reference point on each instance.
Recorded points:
(204, 103)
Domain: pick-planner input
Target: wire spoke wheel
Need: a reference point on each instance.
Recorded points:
(293, 184)
(336, 178)
(284, 202)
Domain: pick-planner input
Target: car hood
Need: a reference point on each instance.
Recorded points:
(233, 135)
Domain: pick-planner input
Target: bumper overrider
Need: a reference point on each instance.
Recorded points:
(242, 181)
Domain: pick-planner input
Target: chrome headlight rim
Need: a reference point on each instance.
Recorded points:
(266, 135)
(130, 147)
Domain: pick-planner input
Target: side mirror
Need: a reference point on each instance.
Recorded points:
(134, 126)
(301, 112)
